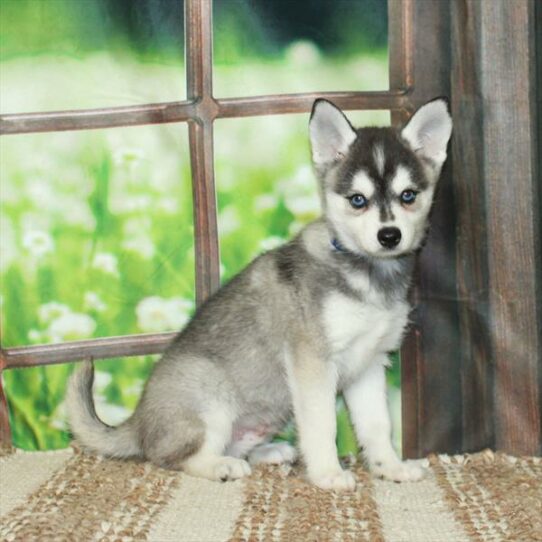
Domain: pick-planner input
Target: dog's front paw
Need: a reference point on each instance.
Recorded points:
(337, 480)
(231, 468)
(398, 471)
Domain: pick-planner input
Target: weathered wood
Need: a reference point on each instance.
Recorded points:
(507, 86)
(199, 77)
(5, 430)
(432, 406)
(471, 241)
(105, 347)
(471, 368)
(168, 112)
(538, 146)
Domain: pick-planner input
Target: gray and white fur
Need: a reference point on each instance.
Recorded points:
(301, 323)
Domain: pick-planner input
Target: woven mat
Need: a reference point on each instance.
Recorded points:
(68, 496)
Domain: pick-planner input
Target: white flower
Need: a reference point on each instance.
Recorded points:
(38, 191)
(77, 213)
(70, 327)
(156, 314)
(265, 202)
(136, 225)
(38, 243)
(35, 336)
(111, 414)
(303, 53)
(303, 205)
(50, 311)
(299, 192)
(271, 242)
(142, 245)
(179, 312)
(152, 315)
(106, 262)
(301, 182)
(228, 220)
(135, 389)
(169, 205)
(137, 238)
(102, 380)
(8, 250)
(30, 221)
(93, 302)
(121, 203)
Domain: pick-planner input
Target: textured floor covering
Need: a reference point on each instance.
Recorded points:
(68, 496)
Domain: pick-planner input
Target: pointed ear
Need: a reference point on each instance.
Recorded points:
(429, 130)
(330, 132)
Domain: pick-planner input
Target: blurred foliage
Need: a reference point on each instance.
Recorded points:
(244, 28)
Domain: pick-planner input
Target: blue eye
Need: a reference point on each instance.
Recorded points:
(358, 201)
(408, 196)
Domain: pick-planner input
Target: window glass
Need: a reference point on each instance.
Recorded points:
(97, 234)
(69, 54)
(36, 398)
(282, 46)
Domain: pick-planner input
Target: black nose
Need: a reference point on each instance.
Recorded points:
(389, 237)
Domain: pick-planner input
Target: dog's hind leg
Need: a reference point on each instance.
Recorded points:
(208, 461)
(169, 437)
(273, 453)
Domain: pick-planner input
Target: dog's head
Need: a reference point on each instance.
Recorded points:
(377, 184)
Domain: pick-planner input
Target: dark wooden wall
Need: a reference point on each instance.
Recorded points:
(472, 368)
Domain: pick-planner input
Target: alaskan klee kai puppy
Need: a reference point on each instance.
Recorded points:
(301, 323)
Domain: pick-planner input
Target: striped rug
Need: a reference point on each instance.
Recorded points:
(70, 496)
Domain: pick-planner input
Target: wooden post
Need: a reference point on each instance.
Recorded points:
(472, 368)
(432, 406)
(472, 237)
(496, 161)
(199, 82)
(507, 87)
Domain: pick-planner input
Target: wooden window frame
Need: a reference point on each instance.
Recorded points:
(454, 368)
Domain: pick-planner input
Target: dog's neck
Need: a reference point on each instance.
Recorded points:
(385, 271)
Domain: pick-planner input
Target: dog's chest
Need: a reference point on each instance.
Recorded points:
(358, 330)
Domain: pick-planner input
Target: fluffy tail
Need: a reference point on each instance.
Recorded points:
(85, 425)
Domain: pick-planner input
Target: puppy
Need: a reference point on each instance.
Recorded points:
(301, 323)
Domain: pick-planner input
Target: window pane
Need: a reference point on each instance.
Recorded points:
(281, 46)
(97, 234)
(69, 54)
(36, 398)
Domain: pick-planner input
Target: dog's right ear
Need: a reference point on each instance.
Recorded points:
(429, 130)
(330, 132)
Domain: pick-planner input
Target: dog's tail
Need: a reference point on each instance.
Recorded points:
(87, 428)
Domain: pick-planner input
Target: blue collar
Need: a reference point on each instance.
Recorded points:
(337, 246)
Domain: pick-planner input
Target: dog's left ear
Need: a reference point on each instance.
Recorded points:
(429, 130)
